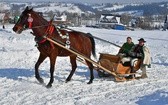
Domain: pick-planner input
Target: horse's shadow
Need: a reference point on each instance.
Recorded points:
(15, 73)
(157, 98)
(82, 71)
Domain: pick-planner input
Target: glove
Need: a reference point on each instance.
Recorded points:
(139, 55)
(132, 54)
(121, 54)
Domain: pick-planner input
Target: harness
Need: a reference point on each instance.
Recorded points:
(48, 33)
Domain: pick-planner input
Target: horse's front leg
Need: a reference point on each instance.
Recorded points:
(40, 60)
(52, 67)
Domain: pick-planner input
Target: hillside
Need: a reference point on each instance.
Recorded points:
(145, 9)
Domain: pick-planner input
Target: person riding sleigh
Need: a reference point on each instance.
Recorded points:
(139, 51)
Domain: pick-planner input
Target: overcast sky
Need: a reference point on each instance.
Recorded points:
(94, 1)
(113, 1)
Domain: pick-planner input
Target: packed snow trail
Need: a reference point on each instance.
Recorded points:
(18, 85)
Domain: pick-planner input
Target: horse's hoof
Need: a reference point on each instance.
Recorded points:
(67, 80)
(89, 82)
(48, 86)
(40, 80)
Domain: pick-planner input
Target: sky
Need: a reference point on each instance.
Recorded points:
(114, 1)
(95, 1)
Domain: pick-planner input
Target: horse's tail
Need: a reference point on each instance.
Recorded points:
(93, 44)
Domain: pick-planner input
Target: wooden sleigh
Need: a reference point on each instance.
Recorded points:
(113, 63)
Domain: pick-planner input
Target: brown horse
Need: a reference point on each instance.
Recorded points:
(81, 42)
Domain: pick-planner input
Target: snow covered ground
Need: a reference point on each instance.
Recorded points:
(18, 85)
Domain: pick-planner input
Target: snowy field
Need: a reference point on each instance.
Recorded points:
(18, 85)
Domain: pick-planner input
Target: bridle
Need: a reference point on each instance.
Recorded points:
(30, 22)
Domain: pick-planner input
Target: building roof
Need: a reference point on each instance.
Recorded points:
(61, 18)
(111, 15)
(110, 18)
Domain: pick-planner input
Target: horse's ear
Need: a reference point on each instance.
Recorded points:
(31, 9)
(28, 8)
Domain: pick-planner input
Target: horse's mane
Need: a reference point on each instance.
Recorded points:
(40, 18)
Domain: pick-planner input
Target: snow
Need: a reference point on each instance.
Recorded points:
(4, 6)
(114, 7)
(71, 8)
(18, 85)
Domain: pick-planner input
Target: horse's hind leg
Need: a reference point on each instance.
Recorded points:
(90, 65)
(74, 66)
(40, 60)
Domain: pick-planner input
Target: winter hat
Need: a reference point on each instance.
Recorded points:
(141, 39)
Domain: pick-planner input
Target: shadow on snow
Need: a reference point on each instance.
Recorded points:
(157, 98)
(164, 64)
(17, 74)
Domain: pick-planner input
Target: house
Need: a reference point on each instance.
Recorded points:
(109, 21)
(4, 17)
(62, 20)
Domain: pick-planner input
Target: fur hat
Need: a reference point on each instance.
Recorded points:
(141, 39)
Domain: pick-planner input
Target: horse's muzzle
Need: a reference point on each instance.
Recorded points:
(17, 30)
(14, 29)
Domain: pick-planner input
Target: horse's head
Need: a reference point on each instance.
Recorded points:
(24, 21)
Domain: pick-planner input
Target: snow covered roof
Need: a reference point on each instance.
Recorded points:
(110, 18)
(61, 18)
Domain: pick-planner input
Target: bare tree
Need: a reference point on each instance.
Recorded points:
(16, 13)
(50, 14)
(125, 19)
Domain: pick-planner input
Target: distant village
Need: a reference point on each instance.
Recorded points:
(106, 20)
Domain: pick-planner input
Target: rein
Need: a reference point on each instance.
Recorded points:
(30, 22)
(34, 27)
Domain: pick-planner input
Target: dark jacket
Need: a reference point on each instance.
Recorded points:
(136, 52)
(141, 52)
